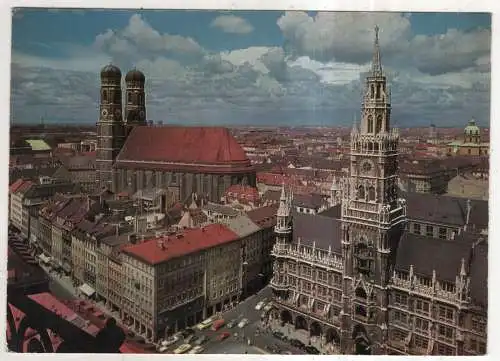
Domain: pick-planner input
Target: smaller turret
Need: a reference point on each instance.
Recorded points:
(284, 216)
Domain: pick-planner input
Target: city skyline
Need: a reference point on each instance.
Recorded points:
(252, 67)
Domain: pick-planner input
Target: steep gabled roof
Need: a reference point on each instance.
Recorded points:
(322, 230)
(180, 147)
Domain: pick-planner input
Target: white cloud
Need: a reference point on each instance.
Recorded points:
(314, 78)
(232, 24)
(348, 38)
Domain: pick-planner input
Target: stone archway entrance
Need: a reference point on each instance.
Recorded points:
(332, 336)
(315, 329)
(362, 344)
(286, 317)
(300, 323)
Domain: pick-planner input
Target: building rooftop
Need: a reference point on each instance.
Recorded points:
(264, 217)
(177, 147)
(242, 225)
(38, 145)
(447, 210)
(158, 250)
(321, 230)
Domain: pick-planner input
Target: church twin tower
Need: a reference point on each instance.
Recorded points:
(112, 127)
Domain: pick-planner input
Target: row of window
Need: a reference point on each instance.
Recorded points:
(427, 230)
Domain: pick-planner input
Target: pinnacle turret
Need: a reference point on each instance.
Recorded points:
(376, 63)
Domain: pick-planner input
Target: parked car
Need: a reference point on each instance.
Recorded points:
(223, 336)
(259, 305)
(218, 324)
(182, 348)
(170, 341)
(187, 332)
(190, 339)
(201, 340)
(243, 323)
(197, 349)
(207, 323)
(312, 350)
(268, 307)
(162, 349)
(231, 324)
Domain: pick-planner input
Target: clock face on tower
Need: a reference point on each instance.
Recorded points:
(104, 112)
(366, 166)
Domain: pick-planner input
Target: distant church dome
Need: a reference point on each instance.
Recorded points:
(135, 75)
(111, 72)
(472, 128)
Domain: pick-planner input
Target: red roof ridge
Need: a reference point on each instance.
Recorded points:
(182, 145)
(158, 250)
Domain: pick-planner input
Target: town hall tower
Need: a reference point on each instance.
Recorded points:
(373, 219)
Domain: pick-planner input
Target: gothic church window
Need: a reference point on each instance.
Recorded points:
(129, 98)
(104, 96)
(370, 124)
(361, 192)
(379, 124)
(371, 193)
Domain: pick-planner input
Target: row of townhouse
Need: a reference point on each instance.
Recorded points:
(163, 282)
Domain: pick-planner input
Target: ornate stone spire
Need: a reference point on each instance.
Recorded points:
(283, 197)
(376, 64)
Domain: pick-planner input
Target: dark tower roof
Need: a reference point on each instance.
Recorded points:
(111, 71)
(135, 75)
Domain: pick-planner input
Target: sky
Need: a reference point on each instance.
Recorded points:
(259, 68)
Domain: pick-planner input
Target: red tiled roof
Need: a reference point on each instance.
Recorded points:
(52, 304)
(25, 186)
(14, 186)
(191, 241)
(174, 147)
(243, 192)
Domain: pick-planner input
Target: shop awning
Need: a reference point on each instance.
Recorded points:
(87, 290)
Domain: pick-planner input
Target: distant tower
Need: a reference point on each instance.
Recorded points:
(335, 192)
(110, 131)
(373, 219)
(432, 134)
(135, 106)
(283, 228)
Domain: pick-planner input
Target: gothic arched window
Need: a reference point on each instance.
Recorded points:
(129, 97)
(378, 91)
(371, 193)
(360, 292)
(117, 97)
(379, 124)
(104, 96)
(361, 192)
(370, 124)
(372, 91)
(140, 99)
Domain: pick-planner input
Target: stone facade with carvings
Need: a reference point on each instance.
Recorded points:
(358, 279)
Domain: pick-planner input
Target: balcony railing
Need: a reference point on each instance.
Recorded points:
(74, 339)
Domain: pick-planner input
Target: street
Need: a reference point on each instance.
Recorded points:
(260, 340)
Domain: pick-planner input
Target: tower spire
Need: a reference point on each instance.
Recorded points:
(376, 64)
